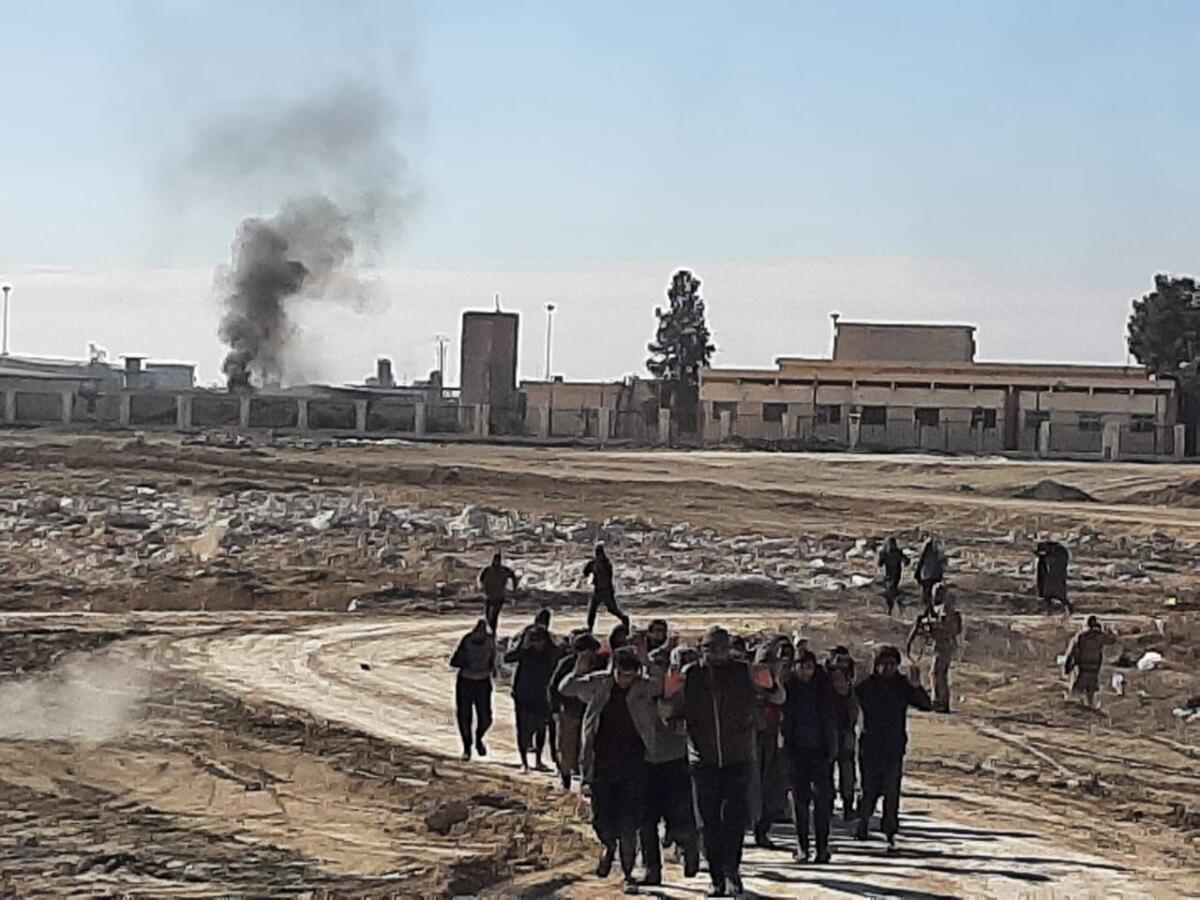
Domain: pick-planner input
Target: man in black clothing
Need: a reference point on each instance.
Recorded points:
(535, 655)
(475, 659)
(892, 560)
(931, 570)
(493, 581)
(600, 570)
(716, 699)
(1053, 560)
(812, 744)
(618, 726)
(884, 698)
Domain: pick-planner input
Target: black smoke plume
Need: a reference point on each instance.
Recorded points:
(297, 252)
(335, 151)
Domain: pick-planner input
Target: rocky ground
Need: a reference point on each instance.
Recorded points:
(222, 668)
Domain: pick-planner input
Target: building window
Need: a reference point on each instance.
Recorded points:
(1091, 422)
(725, 406)
(829, 414)
(983, 418)
(1034, 419)
(927, 416)
(874, 415)
(1142, 424)
(773, 412)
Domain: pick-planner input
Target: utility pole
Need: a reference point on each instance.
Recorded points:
(6, 288)
(550, 307)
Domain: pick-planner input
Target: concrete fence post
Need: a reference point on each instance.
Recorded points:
(726, 426)
(854, 426)
(1110, 443)
(360, 416)
(1043, 438)
(68, 406)
(244, 411)
(10, 407)
(605, 426)
(125, 415)
(786, 425)
(483, 415)
(419, 419)
(302, 413)
(1180, 445)
(544, 414)
(664, 426)
(183, 412)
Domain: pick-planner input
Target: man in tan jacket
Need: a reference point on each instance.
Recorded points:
(1085, 656)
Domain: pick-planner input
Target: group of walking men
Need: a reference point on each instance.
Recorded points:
(704, 743)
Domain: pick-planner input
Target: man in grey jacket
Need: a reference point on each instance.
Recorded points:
(475, 659)
(618, 728)
(668, 786)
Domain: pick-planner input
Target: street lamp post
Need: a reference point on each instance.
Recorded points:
(550, 307)
(6, 288)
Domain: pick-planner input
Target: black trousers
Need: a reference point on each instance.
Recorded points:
(847, 781)
(606, 597)
(668, 798)
(721, 794)
(491, 612)
(881, 777)
(812, 786)
(618, 804)
(533, 726)
(473, 700)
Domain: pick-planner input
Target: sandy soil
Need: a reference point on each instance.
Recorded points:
(251, 735)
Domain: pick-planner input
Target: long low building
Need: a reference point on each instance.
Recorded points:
(918, 387)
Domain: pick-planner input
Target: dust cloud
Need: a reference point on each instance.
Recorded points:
(84, 700)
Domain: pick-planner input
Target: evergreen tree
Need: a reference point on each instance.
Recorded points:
(681, 347)
(1164, 326)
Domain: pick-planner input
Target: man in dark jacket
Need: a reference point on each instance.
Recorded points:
(618, 727)
(1053, 559)
(884, 698)
(535, 655)
(892, 560)
(716, 699)
(808, 728)
(494, 581)
(600, 570)
(568, 711)
(475, 659)
(931, 570)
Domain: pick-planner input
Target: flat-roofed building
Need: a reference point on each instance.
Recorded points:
(953, 404)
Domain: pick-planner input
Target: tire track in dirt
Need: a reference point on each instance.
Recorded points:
(952, 844)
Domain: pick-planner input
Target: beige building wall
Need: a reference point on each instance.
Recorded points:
(903, 343)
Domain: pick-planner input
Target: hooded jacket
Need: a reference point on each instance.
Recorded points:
(475, 660)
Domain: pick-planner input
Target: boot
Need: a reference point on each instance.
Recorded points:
(762, 836)
(479, 747)
(606, 860)
(691, 860)
(652, 878)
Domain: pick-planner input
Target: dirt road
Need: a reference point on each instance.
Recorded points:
(388, 678)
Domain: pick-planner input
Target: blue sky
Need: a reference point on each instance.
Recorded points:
(1001, 163)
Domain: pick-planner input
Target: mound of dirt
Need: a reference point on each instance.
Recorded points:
(1054, 491)
(1185, 493)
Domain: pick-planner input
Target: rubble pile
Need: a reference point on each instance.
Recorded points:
(104, 532)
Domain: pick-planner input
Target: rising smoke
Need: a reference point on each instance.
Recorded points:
(333, 164)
